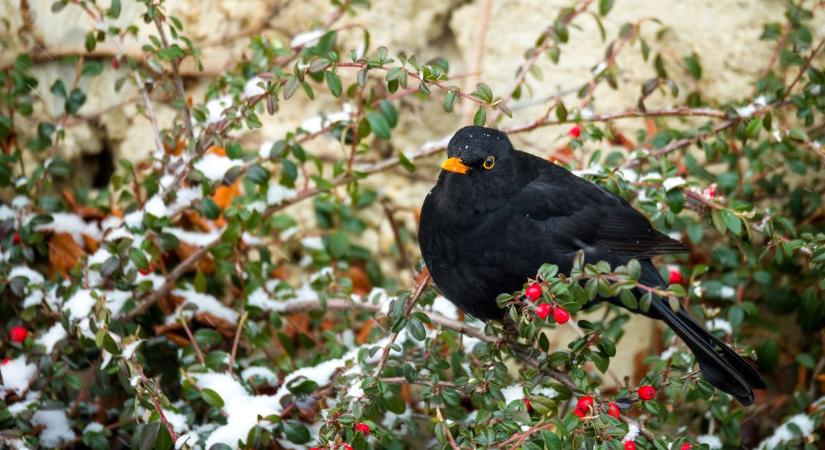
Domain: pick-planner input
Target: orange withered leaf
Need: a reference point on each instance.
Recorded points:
(64, 253)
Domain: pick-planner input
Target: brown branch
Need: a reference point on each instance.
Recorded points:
(545, 121)
(422, 286)
(805, 66)
(195, 345)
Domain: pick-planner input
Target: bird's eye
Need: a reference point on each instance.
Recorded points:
(489, 162)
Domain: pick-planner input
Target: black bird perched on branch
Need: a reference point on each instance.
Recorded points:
(497, 214)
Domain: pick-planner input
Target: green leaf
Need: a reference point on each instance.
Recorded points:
(693, 66)
(92, 68)
(296, 432)
(209, 208)
(732, 222)
(212, 398)
(480, 117)
(114, 10)
(378, 124)
(75, 101)
(449, 100)
(290, 87)
(605, 6)
(138, 258)
(628, 299)
(483, 93)
(257, 174)
(389, 112)
(752, 130)
(333, 83)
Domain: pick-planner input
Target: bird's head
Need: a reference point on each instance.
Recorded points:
(478, 152)
(480, 170)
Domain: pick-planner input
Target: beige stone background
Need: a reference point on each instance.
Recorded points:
(724, 32)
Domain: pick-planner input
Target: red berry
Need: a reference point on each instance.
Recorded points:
(115, 63)
(314, 448)
(584, 403)
(5, 361)
(18, 334)
(560, 315)
(575, 131)
(533, 292)
(527, 404)
(675, 275)
(16, 238)
(613, 410)
(543, 310)
(148, 270)
(685, 446)
(629, 445)
(579, 413)
(363, 428)
(647, 392)
(346, 447)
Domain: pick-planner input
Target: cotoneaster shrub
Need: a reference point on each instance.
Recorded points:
(194, 303)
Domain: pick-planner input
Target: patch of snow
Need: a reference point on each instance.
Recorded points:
(214, 167)
(215, 108)
(673, 182)
(50, 338)
(72, 224)
(719, 324)
(261, 372)
(23, 271)
(512, 393)
(632, 433)
(156, 207)
(727, 292)
(785, 434)
(313, 242)
(17, 375)
(133, 219)
(710, 440)
(278, 193)
(207, 303)
(57, 429)
(193, 237)
(445, 307)
(253, 87)
(317, 123)
(241, 408)
(306, 38)
(94, 427)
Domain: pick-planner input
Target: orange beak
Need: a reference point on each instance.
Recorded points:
(455, 165)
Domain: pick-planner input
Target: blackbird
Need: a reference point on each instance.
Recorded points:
(497, 214)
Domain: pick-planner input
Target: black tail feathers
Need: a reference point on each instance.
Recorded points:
(721, 366)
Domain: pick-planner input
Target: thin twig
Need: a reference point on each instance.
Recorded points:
(422, 286)
(178, 81)
(535, 53)
(195, 345)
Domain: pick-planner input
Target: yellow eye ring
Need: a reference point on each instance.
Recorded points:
(489, 162)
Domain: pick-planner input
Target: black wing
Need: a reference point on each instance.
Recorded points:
(574, 214)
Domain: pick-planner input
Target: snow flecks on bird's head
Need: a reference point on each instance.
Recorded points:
(474, 144)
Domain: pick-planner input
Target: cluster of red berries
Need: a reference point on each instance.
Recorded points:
(543, 310)
(585, 404)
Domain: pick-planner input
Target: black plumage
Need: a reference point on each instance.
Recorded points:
(497, 214)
